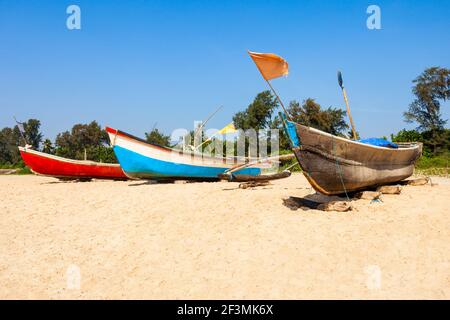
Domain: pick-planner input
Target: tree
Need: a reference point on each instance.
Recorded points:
(47, 147)
(310, 113)
(32, 133)
(11, 138)
(331, 120)
(258, 114)
(158, 138)
(90, 137)
(430, 87)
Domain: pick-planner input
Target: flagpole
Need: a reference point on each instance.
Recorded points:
(21, 133)
(279, 100)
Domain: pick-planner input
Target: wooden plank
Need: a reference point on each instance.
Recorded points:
(390, 189)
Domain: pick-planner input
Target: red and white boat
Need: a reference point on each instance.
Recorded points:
(49, 165)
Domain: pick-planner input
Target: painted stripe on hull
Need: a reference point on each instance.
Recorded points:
(139, 166)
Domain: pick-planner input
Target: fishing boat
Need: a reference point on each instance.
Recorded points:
(142, 160)
(50, 165)
(335, 165)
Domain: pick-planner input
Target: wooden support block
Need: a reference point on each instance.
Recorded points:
(390, 189)
(368, 195)
(340, 206)
(8, 171)
(253, 184)
(417, 182)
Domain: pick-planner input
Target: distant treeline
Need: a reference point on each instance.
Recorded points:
(91, 140)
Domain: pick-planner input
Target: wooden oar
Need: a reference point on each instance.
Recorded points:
(341, 84)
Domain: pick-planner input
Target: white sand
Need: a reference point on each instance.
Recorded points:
(210, 240)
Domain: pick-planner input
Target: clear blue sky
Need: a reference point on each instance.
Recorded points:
(134, 63)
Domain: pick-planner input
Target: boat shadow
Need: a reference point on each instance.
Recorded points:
(310, 201)
(67, 181)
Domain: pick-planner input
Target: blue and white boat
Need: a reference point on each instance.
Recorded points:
(142, 160)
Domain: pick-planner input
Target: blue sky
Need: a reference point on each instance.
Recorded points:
(134, 63)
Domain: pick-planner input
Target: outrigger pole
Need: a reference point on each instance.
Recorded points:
(341, 84)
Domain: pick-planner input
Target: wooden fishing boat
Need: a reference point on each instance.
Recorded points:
(142, 160)
(50, 165)
(335, 165)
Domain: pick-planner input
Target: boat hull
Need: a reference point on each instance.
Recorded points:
(335, 165)
(142, 160)
(59, 167)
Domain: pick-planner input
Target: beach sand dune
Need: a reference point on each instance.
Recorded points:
(133, 239)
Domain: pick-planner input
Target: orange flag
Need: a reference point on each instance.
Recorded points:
(270, 65)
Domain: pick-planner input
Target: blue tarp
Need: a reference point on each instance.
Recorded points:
(379, 142)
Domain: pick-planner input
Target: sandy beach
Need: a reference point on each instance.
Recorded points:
(133, 239)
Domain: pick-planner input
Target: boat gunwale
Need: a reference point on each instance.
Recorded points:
(67, 160)
(194, 154)
(415, 145)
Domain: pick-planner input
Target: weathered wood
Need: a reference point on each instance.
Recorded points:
(253, 184)
(340, 206)
(248, 178)
(416, 182)
(368, 195)
(8, 171)
(335, 165)
(389, 189)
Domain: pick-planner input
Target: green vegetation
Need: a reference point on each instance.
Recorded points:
(157, 137)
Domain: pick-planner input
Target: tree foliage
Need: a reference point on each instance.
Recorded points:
(431, 87)
(90, 137)
(47, 147)
(258, 114)
(311, 114)
(435, 142)
(10, 138)
(157, 137)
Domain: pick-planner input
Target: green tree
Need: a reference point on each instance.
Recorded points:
(431, 87)
(32, 133)
(258, 114)
(47, 147)
(90, 137)
(158, 138)
(407, 136)
(11, 138)
(310, 113)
